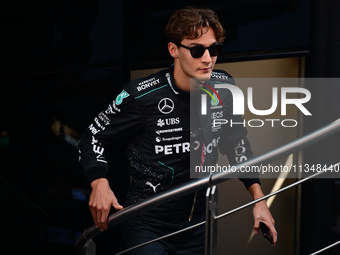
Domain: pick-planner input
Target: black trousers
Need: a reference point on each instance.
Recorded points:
(138, 230)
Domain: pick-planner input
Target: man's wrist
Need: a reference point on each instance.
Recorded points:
(256, 191)
(96, 182)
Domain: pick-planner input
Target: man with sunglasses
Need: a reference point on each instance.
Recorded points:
(151, 116)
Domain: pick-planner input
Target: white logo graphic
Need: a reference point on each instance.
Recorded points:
(170, 83)
(152, 186)
(171, 130)
(160, 123)
(170, 149)
(147, 84)
(166, 106)
(168, 122)
(98, 150)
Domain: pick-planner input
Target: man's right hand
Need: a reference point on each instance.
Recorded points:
(101, 200)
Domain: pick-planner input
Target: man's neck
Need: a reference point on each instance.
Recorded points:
(182, 81)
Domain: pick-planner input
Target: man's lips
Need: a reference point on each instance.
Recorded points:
(205, 69)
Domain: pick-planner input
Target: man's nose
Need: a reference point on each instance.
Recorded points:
(206, 56)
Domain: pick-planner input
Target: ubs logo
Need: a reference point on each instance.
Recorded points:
(166, 106)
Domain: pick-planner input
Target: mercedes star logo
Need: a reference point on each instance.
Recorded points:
(166, 105)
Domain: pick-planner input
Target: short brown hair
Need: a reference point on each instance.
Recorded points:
(190, 23)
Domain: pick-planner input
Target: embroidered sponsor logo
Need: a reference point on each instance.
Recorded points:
(170, 130)
(112, 109)
(221, 76)
(172, 148)
(98, 150)
(167, 75)
(147, 84)
(121, 96)
(168, 122)
(215, 101)
(168, 139)
(93, 129)
(166, 105)
(102, 116)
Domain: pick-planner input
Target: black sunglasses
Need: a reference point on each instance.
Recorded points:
(198, 51)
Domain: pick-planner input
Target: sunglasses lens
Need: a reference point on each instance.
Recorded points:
(214, 50)
(197, 52)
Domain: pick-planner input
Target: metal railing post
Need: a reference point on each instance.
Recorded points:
(211, 222)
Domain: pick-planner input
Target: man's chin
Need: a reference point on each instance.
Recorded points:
(204, 76)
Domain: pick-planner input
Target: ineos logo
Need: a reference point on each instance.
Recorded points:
(166, 105)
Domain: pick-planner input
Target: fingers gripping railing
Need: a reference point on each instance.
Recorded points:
(85, 245)
(114, 219)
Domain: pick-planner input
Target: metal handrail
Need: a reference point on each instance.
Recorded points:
(217, 217)
(276, 192)
(211, 180)
(326, 248)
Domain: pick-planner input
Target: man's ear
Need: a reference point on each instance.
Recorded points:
(173, 49)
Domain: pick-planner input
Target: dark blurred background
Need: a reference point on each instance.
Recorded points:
(61, 63)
